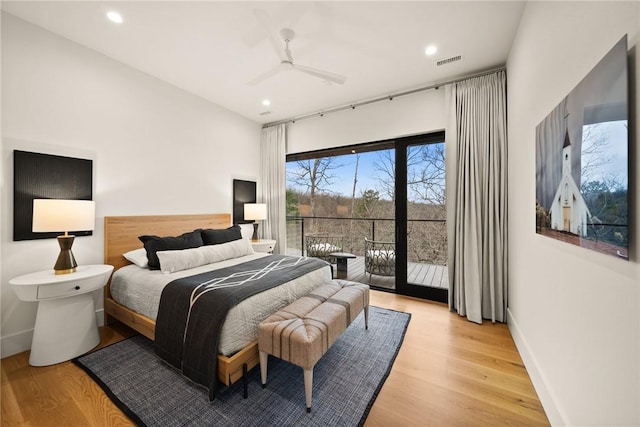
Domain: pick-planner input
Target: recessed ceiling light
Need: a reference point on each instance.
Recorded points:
(430, 50)
(115, 17)
(266, 102)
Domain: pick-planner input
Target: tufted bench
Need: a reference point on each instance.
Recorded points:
(302, 332)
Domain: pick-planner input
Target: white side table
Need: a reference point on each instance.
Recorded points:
(66, 324)
(263, 245)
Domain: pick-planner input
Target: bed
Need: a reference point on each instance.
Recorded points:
(121, 236)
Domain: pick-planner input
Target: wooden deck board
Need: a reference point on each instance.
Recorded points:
(430, 276)
(423, 273)
(417, 273)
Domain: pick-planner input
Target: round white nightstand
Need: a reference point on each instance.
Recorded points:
(66, 324)
(263, 245)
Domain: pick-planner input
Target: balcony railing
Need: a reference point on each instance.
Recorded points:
(426, 245)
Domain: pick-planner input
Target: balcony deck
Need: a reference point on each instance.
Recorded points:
(436, 276)
(419, 274)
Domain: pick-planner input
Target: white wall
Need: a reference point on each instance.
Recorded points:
(414, 114)
(156, 149)
(573, 312)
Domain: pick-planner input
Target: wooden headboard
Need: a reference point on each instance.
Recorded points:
(121, 235)
(121, 232)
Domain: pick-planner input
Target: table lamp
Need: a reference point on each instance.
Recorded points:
(255, 212)
(59, 215)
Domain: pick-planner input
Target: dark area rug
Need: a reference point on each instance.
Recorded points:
(346, 382)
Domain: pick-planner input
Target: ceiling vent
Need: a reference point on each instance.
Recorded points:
(264, 113)
(449, 60)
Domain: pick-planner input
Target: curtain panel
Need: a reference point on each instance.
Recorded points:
(272, 184)
(476, 143)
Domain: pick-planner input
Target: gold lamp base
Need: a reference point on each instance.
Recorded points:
(65, 263)
(255, 237)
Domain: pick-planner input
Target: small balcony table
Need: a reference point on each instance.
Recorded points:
(341, 263)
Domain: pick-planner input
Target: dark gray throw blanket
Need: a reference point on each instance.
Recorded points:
(193, 309)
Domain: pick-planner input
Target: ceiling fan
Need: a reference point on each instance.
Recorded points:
(287, 64)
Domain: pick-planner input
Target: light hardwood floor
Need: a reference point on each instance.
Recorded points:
(449, 372)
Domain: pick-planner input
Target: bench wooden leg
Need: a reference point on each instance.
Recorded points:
(245, 381)
(263, 368)
(308, 387)
(366, 317)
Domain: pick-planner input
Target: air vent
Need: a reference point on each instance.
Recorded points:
(264, 113)
(449, 60)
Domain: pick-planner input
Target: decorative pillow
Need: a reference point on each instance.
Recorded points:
(246, 230)
(171, 261)
(212, 236)
(322, 248)
(154, 244)
(382, 257)
(138, 257)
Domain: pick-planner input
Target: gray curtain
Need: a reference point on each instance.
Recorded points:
(476, 141)
(272, 184)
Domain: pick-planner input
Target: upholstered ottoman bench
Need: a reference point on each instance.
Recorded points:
(302, 332)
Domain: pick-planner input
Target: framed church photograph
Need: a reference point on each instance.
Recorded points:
(582, 160)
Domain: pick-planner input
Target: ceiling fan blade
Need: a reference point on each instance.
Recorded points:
(265, 23)
(264, 76)
(325, 75)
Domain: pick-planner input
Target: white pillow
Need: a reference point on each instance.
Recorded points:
(382, 253)
(171, 261)
(383, 257)
(323, 247)
(138, 257)
(246, 230)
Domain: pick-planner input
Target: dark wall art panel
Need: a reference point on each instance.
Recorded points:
(243, 192)
(582, 162)
(45, 176)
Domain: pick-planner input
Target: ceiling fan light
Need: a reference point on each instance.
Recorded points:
(115, 17)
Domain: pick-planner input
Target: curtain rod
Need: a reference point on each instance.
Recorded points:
(382, 98)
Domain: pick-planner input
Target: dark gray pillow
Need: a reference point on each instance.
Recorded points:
(211, 236)
(153, 244)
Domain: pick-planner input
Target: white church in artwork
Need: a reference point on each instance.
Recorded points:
(569, 211)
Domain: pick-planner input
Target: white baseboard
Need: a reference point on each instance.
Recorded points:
(21, 341)
(540, 383)
(15, 343)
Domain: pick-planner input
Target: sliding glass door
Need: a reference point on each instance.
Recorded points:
(421, 237)
(383, 203)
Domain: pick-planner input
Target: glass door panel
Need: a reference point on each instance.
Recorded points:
(379, 244)
(382, 203)
(422, 242)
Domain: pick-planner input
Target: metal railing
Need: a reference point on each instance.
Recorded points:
(426, 238)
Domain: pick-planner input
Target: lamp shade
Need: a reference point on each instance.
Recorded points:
(255, 211)
(52, 215)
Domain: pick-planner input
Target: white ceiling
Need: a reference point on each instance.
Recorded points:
(212, 49)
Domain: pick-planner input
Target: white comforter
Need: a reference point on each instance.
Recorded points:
(139, 289)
